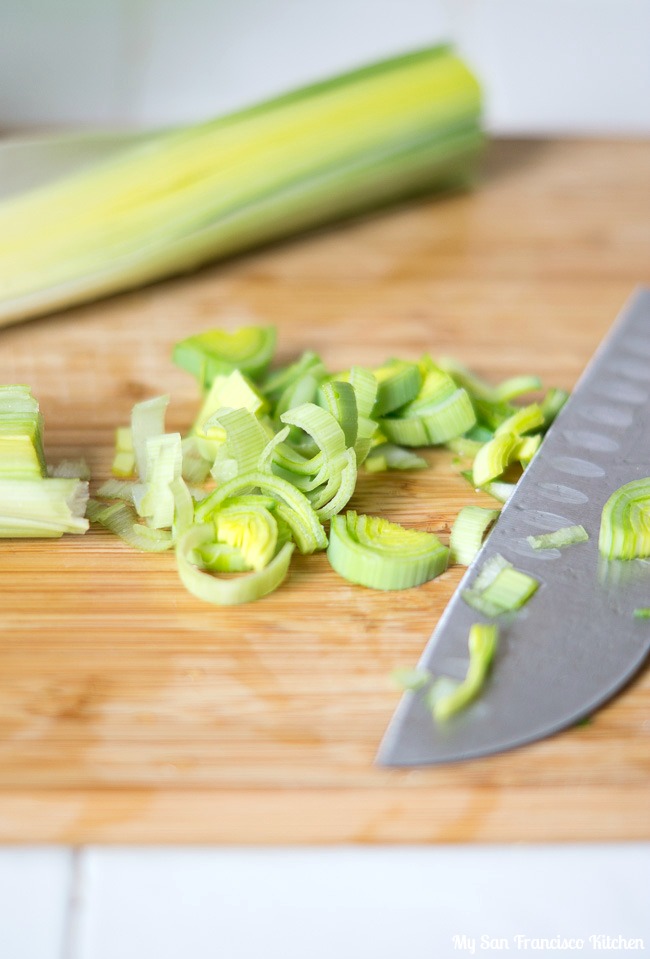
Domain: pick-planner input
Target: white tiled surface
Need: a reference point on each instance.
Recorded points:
(321, 903)
(35, 886)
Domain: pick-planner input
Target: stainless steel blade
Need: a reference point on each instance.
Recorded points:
(576, 642)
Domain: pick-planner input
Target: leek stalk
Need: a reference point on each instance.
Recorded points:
(180, 198)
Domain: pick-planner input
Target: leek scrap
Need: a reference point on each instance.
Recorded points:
(453, 698)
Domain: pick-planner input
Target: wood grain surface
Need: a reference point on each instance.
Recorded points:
(129, 711)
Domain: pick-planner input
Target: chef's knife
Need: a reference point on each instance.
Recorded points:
(577, 641)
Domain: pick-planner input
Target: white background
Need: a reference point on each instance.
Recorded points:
(547, 66)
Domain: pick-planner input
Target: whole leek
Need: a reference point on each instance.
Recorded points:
(178, 199)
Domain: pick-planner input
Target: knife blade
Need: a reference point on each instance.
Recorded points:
(576, 642)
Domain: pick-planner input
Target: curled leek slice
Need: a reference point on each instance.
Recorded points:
(252, 529)
(625, 522)
(482, 645)
(293, 506)
(243, 588)
(468, 532)
(217, 352)
(374, 552)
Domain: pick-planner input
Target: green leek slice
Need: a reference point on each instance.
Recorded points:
(468, 532)
(430, 425)
(499, 588)
(482, 647)
(398, 382)
(493, 458)
(625, 522)
(217, 352)
(567, 536)
(374, 552)
(642, 612)
(243, 588)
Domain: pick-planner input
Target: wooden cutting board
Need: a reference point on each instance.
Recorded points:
(131, 712)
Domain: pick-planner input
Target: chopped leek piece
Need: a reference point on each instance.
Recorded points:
(374, 552)
(122, 520)
(552, 404)
(276, 384)
(244, 588)
(163, 465)
(147, 420)
(642, 612)
(124, 459)
(340, 399)
(625, 522)
(46, 506)
(526, 418)
(21, 429)
(244, 442)
(510, 589)
(526, 448)
(499, 588)
(567, 536)
(217, 352)
(480, 390)
(468, 532)
(430, 423)
(388, 456)
(500, 490)
(493, 458)
(398, 382)
(407, 678)
(482, 646)
(70, 469)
